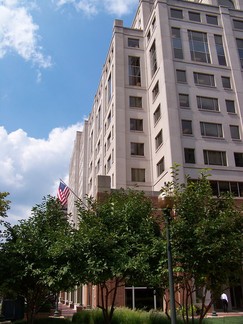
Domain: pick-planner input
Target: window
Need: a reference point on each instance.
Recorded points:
(153, 59)
(155, 90)
(137, 149)
(136, 124)
(214, 157)
(176, 13)
(211, 129)
(238, 24)
(153, 23)
(109, 140)
(157, 114)
(99, 119)
(186, 127)
(234, 131)
(194, 16)
(181, 76)
(149, 35)
(206, 103)
(230, 106)
(158, 139)
(134, 71)
(133, 42)
(239, 43)
(109, 88)
(138, 175)
(177, 43)
(199, 46)
(238, 159)
(189, 154)
(213, 20)
(160, 167)
(220, 49)
(109, 119)
(184, 100)
(226, 82)
(108, 163)
(219, 187)
(135, 102)
(204, 79)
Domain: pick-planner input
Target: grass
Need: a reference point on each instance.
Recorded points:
(224, 320)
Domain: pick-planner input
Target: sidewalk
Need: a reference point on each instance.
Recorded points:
(222, 314)
(65, 310)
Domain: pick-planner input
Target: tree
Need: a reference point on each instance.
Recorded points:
(35, 258)
(206, 235)
(120, 243)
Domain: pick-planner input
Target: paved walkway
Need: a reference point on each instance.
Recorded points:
(222, 314)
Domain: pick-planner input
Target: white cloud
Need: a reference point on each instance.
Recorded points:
(31, 168)
(18, 33)
(90, 7)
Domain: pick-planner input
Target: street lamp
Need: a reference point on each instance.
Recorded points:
(166, 204)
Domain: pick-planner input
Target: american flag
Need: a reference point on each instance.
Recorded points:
(63, 193)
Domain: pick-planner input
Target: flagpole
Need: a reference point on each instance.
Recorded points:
(71, 190)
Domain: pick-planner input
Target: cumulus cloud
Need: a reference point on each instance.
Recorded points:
(90, 7)
(31, 168)
(19, 33)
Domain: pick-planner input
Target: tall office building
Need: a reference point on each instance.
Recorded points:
(171, 91)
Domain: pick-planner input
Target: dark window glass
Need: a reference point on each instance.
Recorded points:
(133, 42)
(158, 139)
(230, 106)
(155, 90)
(206, 103)
(204, 79)
(138, 175)
(239, 43)
(238, 24)
(226, 82)
(194, 16)
(234, 131)
(214, 157)
(189, 155)
(186, 127)
(199, 46)
(135, 102)
(238, 159)
(226, 3)
(160, 167)
(136, 124)
(213, 20)
(153, 59)
(176, 13)
(184, 100)
(220, 49)
(137, 149)
(181, 76)
(211, 129)
(177, 43)
(134, 71)
(157, 114)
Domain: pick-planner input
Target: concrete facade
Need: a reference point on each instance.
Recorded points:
(171, 91)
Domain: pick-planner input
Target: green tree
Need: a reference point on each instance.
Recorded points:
(35, 258)
(4, 205)
(120, 243)
(206, 236)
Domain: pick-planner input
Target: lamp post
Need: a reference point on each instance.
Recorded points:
(56, 313)
(166, 204)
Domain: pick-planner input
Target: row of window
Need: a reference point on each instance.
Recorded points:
(210, 129)
(213, 157)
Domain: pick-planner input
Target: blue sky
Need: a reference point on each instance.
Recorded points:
(51, 57)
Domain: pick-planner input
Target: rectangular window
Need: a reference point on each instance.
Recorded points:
(135, 102)
(158, 139)
(157, 114)
(213, 20)
(189, 154)
(238, 159)
(108, 163)
(199, 46)
(184, 100)
(186, 127)
(137, 149)
(109, 140)
(204, 79)
(109, 88)
(181, 76)
(133, 42)
(214, 157)
(136, 124)
(138, 175)
(220, 49)
(206, 103)
(230, 106)
(134, 71)
(238, 24)
(234, 132)
(160, 167)
(226, 82)
(153, 59)
(239, 43)
(211, 129)
(176, 13)
(177, 43)
(155, 90)
(194, 16)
